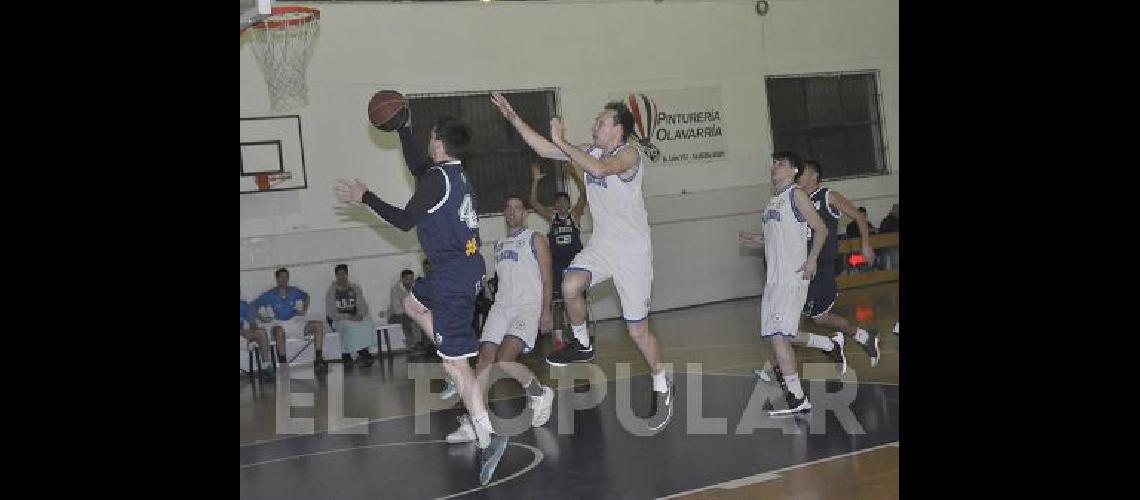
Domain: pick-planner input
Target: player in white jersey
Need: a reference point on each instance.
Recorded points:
(620, 247)
(522, 307)
(790, 268)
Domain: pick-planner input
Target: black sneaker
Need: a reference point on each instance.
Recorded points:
(320, 366)
(663, 403)
(795, 406)
(836, 353)
(572, 352)
(346, 359)
(872, 347)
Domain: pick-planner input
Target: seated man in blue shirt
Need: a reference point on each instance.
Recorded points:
(287, 308)
(253, 333)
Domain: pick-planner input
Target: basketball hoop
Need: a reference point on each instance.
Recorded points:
(282, 44)
(266, 181)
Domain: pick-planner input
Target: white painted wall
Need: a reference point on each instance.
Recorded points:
(588, 50)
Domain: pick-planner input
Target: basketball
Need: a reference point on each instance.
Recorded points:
(388, 110)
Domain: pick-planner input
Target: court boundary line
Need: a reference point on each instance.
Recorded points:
(773, 474)
(538, 455)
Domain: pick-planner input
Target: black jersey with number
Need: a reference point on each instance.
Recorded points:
(821, 199)
(565, 239)
(449, 234)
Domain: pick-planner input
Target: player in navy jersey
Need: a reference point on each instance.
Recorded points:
(565, 236)
(830, 205)
(443, 211)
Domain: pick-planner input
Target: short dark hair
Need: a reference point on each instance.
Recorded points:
(792, 158)
(340, 267)
(516, 197)
(278, 272)
(406, 272)
(863, 209)
(454, 134)
(814, 165)
(562, 194)
(622, 117)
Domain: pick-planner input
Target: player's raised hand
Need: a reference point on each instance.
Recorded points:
(536, 172)
(557, 130)
(347, 191)
(504, 107)
(808, 268)
(752, 239)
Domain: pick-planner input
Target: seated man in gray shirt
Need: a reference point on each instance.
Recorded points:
(346, 307)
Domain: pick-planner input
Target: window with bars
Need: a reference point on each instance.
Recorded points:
(833, 118)
(497, 161)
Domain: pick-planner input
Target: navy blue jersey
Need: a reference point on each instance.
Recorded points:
(565, 239)
(820, 198)
(449, 234)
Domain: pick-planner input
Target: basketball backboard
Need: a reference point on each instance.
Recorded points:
(272, 146)
(253, 11)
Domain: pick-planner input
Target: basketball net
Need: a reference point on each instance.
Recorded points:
(283, 44)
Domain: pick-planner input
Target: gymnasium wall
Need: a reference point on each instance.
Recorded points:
(587, 49)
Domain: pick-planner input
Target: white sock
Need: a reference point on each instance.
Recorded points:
(793, 382)
(819, 342)
(483, 430)
(660, 384)
(861, 336)
(581, 334)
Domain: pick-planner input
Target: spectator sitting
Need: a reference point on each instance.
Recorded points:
(253, 333)
(346, 307)
(286, 309)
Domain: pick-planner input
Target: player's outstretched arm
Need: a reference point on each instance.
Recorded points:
(580, 206)
(847, 208)
(535, 176)
(430, 191)
(535, 140)
(626, 160)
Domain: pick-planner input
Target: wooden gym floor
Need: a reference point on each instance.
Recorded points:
(383, 455)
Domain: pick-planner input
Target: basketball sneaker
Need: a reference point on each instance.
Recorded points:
(449, 389)
(489, 457)
(465, 433)
(573, 352)
(872, 347)
(795, 406)
(540, 407)
(663, 403)
(836, 353)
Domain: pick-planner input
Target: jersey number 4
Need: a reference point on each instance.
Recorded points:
(467, 212)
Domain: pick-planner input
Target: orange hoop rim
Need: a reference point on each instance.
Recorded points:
(270, 23)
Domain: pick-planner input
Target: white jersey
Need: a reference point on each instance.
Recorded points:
(785, 237)
(516, 262)
(617, 207)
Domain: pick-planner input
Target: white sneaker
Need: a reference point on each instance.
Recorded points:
(540, 405)
(464, 434)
